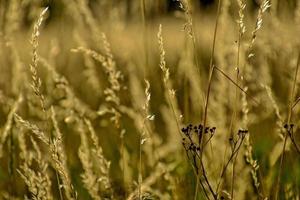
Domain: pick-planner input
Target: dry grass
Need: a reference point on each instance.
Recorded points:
(149, 100)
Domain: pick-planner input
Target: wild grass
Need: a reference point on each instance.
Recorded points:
(146, 99)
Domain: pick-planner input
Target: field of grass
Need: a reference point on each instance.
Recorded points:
(149, 100)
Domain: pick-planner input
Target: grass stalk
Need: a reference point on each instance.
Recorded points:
(241, 31)
(211, 68)
(290, 112)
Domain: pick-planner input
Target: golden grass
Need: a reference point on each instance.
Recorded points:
(133, 100)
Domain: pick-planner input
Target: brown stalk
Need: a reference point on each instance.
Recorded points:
(211, 68)
(290, 112)
(233, 82)
(235, 151)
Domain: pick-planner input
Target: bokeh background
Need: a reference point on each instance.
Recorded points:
(131, 28)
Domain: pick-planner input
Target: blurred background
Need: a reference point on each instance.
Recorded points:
(131, 29)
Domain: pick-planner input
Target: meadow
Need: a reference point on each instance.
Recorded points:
(149, 100)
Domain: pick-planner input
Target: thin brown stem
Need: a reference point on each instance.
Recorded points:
(280, 167)
(296, 102)
(290, 112)
(144, 35)
(234, 152)
(234, 114)
(291, 135)
(233, 82)
(196, 172)
(214, 194)
(232, 177)
(211, 68)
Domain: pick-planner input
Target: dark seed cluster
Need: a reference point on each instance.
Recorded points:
(288, 126)
(236, 142)
(242, 132)
(241, 135)
(290, 130)
(192, 133)
(198, 130)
